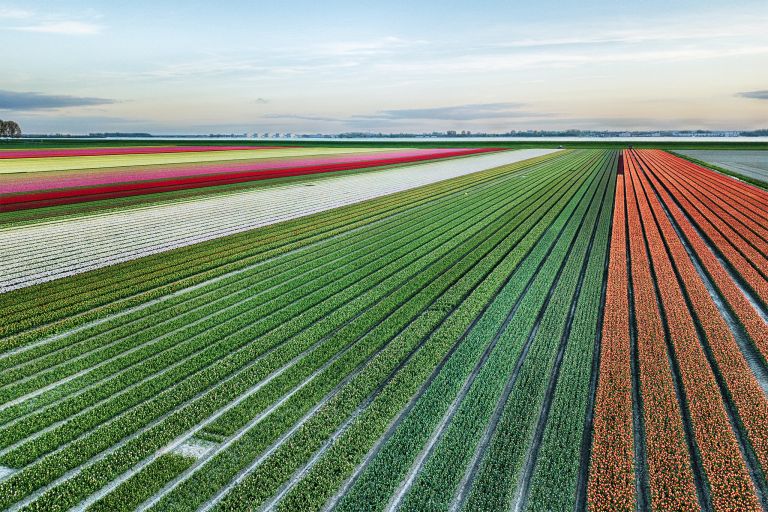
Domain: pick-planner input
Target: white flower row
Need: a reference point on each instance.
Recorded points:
(49, 250)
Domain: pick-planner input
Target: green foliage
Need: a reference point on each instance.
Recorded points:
(318, 339)
(131, 493)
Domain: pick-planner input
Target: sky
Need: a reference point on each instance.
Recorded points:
(199, 67)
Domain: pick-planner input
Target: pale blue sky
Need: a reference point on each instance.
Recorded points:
(308, 66)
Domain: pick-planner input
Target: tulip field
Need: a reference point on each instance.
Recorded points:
(37, 179)
(241, 328)
(681, 416)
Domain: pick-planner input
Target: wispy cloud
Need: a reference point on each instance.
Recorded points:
(422, 60)
(324, 119)
(756, 95)
(25, 101)
(660, 32)
(480, 62)
(287, 62)
(50, 21)
(384, 45)
(14, 13)
(468, 112)
(70, 28)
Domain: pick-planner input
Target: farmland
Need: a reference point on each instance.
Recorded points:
(688, 368)
(750, 165)
(37, 179)
(228, 327)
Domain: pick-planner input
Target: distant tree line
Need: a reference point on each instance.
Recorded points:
(755, 133)
(9, 129)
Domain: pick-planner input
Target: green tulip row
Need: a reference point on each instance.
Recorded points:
(238, 299)
(556, 476)
(52, 307)
(498, 474)
(133, 492)
(103, 437)
(384, 473)
(366, 429)
(253, 321)
(205, 482)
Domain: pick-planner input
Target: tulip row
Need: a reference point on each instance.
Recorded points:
(306, 270)
(743, 390)
(247, 443)
(127, 150)
(207, 176)
(165, 422)
(351, 440)
(749, 261)
(670, 475)
(611, 469)
(727, 477)
(132, 283)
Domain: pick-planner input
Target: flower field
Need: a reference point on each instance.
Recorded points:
(20, 191)
(47, 153)
(94, 241)
(684, 343)
(419, 329)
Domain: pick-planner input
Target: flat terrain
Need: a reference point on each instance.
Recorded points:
(92, 241)
(59, 163)
(749, 163)
(516, 330)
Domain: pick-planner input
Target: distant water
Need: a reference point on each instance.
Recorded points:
(532, 140)
(457, 140)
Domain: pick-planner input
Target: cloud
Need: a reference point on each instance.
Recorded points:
(261, 101)
(70, 28)
(756, 95)
(12, 100)
(372, 47)
(466, 112)
(321, 59)
(51, 22)
(14, 13)
(305, 118)
(661, 33)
